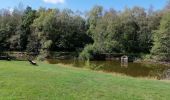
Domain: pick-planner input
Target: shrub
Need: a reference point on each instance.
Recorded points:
(87, 53)
(43, 55)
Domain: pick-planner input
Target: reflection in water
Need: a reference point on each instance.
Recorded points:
(130, 69)
(166, 74)
(125, 65)
(124, 61)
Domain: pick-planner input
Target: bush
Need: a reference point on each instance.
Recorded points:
(162, 57)
(146, 56)
(87, 53)
(43, 55)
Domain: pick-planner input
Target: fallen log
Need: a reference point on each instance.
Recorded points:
(32, 62)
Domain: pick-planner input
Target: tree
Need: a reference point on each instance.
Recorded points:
(74, 37)
(8, 27)
(92, 17)
(43, 29)
(14, 40)
(25, 29)
(3, 38)
(137, 30)
(161, 48)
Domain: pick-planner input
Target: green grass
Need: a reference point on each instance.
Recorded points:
(22, 81)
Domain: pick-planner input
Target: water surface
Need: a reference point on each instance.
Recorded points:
(156, 71)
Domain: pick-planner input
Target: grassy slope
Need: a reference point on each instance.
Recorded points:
(20, 80)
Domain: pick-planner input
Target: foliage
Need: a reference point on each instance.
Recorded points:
(161, 48)
(25, 28)
(128, 31)
(133, 30)
(87, 53)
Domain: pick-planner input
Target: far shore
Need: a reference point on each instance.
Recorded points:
(153, 62)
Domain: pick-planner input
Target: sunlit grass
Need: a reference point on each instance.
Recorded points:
(22, 81)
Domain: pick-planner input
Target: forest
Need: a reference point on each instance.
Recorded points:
(133, 30)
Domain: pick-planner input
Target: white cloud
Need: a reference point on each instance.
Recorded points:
(55, 1)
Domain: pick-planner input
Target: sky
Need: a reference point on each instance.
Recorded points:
(84, 5)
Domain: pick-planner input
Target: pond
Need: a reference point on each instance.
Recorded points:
(155, 71)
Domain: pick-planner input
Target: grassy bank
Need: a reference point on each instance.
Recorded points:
(22, 81)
